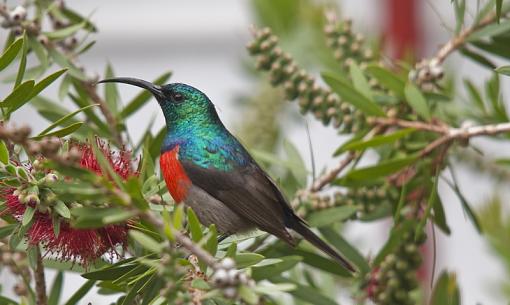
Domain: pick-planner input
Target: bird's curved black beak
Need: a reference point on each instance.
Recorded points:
(152, 88)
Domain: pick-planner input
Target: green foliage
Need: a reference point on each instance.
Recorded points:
(404, 113)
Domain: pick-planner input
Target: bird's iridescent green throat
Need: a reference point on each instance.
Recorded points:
(193, 124)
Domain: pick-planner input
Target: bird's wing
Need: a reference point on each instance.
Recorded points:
(247, 191)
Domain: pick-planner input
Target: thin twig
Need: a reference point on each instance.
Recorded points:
(333, 173)
(459, 40)
(40, 282)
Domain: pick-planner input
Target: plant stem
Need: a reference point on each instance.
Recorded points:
(40, 282)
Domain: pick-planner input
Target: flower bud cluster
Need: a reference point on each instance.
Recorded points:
(228, 278)
(427, 73)
(348, 47)
(392, 281)
(365, 199)
(47, 147)
(325, 105)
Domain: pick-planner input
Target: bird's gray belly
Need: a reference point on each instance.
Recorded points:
(211, 211)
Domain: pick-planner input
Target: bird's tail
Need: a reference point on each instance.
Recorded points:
(300, 227)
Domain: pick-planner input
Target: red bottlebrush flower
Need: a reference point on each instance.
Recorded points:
(71, 244)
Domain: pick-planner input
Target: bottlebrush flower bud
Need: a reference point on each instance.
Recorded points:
(19, 13)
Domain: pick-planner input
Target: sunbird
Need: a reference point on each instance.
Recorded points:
(209, 170)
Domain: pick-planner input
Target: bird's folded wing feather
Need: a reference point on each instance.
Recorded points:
(247, 191)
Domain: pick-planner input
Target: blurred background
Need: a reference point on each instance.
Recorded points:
(203, 44)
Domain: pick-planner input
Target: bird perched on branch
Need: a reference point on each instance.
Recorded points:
(207, 168)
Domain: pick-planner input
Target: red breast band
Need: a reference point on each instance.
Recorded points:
(176, 179)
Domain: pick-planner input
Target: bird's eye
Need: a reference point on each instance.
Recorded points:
(177, 97)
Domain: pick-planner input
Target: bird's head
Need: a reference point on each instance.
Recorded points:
(178, 101)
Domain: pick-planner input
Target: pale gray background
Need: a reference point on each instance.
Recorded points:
(202, 42)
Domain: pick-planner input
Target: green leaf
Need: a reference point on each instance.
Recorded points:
(62, 209)
(505, 70)
(440, 217)
(194, 226)
(377, 140)
(248, 295)
(359, 81)
(351, 95)
(477, 57)
(417, 101)
(381, 169)
(475, 95)
(10, 53)
(489, 31)
(40, 52)
(138, 101)
(433, 197)
(269, 271)
(64, 62)
(388, 79)
(65, 32)
(4, 153)
(77, 18)
(7, 230)
(80, 293)
(328, 216)
(446, 290)
(109, 273)
(61, 132)
(244, 260)
(305, 293)
(320, 262)
(64, 119)
(40, 86)
(460, 10)
(23, 61)
(350, 252)
(212, 242)
(28, 215)
(111, 92)
(463, 201)
(7, 301)
(146, 241)
(200, 284)
(18, 96)
(56, 289)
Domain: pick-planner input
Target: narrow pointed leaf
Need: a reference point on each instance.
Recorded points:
(10, 54)
(417, 101)
(194, 226)
(62, 209)
(359, 81)
(65, 32)
(19, 96)
(329, 216)
(377, 140)
(388, 79)
(383, 168)
(4, 153)
(56, 289)
(64, 119)
(351, 95)
(23, 61)
(110, 90)
(505, 70)
(146, 241)
(61, 132)
(28, 216)
(40, 86)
